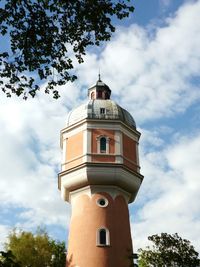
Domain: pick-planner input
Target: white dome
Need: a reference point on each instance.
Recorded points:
(100, 109)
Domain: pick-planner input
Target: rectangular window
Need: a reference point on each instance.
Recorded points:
(100, 94)
(102, 111)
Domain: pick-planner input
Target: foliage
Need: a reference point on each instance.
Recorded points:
(169, 251)
(36, 250)
(58, 252)
(44, 36)
(7, 259)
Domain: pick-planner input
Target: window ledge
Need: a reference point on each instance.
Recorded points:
(99, 245)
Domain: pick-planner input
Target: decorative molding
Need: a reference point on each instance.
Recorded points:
(64, 151)
(119, 159)
(116, 126)
(104, 124)
(137, 158)
(91, 190)
(100, 174)
(86, 145)
(118, 146)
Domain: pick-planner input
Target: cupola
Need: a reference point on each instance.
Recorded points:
(99, 91)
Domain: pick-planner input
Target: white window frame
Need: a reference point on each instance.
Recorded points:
(93, 95)
(99, 202)
(107, 237)
(102, 111)
(99, 144)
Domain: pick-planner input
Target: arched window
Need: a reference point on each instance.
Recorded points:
(103, 237)
(103, 145)
(93, 95)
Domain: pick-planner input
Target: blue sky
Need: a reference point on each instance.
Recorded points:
(152, 66)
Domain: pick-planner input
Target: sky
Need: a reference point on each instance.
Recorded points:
(152, 66)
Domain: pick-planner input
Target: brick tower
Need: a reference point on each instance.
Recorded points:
(100, 176)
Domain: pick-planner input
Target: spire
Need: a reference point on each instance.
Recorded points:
(99, 76)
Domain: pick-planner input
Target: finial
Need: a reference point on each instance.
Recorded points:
(99, 76)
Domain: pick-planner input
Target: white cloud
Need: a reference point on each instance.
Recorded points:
(30, 158)
(172, 192)
(151, 72)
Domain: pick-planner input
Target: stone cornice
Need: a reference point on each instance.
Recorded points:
(99, 174)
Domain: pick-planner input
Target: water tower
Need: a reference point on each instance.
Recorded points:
(100, 176)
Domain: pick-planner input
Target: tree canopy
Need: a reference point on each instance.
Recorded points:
(36, 250)
(43, 36)
(7, 259)
(169, 251)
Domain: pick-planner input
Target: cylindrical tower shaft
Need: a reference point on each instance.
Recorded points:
(99, 231)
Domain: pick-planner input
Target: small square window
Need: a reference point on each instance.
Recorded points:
(102, 110)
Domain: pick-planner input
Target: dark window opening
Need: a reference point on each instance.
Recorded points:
(99, 94)
(103, 145)
(107, 96)
(102, 237)
(102, 110)
(102, 202)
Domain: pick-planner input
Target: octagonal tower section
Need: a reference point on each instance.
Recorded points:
(100, 176)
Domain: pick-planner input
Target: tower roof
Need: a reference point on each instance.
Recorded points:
(99, 91)
(100, 109)
(99, 106)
